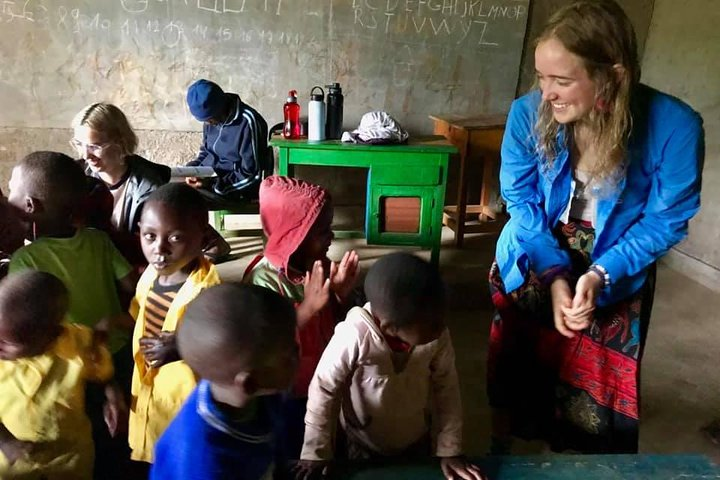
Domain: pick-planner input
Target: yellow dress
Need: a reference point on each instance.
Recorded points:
(158, 393)
(42, 400)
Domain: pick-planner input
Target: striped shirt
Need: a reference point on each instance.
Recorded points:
(158, 303)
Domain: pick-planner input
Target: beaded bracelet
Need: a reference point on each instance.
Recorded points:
(600, 271)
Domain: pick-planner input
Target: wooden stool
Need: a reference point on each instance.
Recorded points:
(478, 139)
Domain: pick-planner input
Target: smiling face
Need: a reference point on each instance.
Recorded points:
(564, 82)
(101, 155)
(170, 240)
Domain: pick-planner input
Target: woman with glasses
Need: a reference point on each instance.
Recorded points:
(106, 143)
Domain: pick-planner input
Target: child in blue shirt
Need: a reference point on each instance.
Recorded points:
(240, 339)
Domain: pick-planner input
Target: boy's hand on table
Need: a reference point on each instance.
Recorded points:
(115, 411)
(343, 275)
(309, 469)
(458, 467)
(160, 350)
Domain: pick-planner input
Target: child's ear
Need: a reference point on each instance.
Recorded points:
(248, 382)
(33, 205)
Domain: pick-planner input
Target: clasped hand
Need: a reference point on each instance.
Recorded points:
(574, 313)
(160, 350)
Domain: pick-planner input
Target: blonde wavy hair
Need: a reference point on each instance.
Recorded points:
(111, 123)
(601, 35)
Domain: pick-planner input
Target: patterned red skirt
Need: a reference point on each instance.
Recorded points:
(582, 393)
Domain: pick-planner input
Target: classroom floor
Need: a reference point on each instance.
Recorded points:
(680, 378)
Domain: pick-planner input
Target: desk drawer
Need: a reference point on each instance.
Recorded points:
(406, 175)
(387, 168)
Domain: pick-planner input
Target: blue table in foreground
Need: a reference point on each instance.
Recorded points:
(556, 467)
(408, 179)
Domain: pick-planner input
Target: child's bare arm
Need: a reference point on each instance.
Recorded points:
(11, 447)
(115, 410)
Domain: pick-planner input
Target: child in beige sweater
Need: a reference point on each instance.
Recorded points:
(388, 375)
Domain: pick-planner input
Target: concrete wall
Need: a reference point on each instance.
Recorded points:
(682, 57)
(348, 189)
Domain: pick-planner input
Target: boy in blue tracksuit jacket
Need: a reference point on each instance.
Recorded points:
(234, 144)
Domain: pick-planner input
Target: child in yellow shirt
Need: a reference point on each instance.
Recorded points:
(44, 365)
(173, 231)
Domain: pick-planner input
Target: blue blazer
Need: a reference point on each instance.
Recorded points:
(637, 222)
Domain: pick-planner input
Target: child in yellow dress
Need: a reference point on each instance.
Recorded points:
(44, 366)
(173, 230)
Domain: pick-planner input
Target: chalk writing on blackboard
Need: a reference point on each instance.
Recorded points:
(213, 6)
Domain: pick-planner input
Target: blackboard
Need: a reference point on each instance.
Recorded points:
(408, 57)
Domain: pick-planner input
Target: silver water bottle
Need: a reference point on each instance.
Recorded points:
(316, 115)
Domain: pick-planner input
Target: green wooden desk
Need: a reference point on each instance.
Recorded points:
(416, 171)
(554, 467)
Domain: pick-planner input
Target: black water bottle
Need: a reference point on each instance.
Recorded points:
(334, 122)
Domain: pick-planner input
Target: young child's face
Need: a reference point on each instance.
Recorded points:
(318, 239)
(170, 240)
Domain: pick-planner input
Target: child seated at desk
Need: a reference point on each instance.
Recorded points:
(44, 364)
(296, 218)
(389, 371)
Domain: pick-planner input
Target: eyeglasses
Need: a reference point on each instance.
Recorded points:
(93, 148)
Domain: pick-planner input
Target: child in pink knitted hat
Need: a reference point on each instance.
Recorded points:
(296, 218)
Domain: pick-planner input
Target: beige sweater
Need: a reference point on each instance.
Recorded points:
(385, 408)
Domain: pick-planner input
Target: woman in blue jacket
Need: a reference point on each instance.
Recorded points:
(601, 175)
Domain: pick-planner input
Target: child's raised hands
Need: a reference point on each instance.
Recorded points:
(317, 293)
(343, 275)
